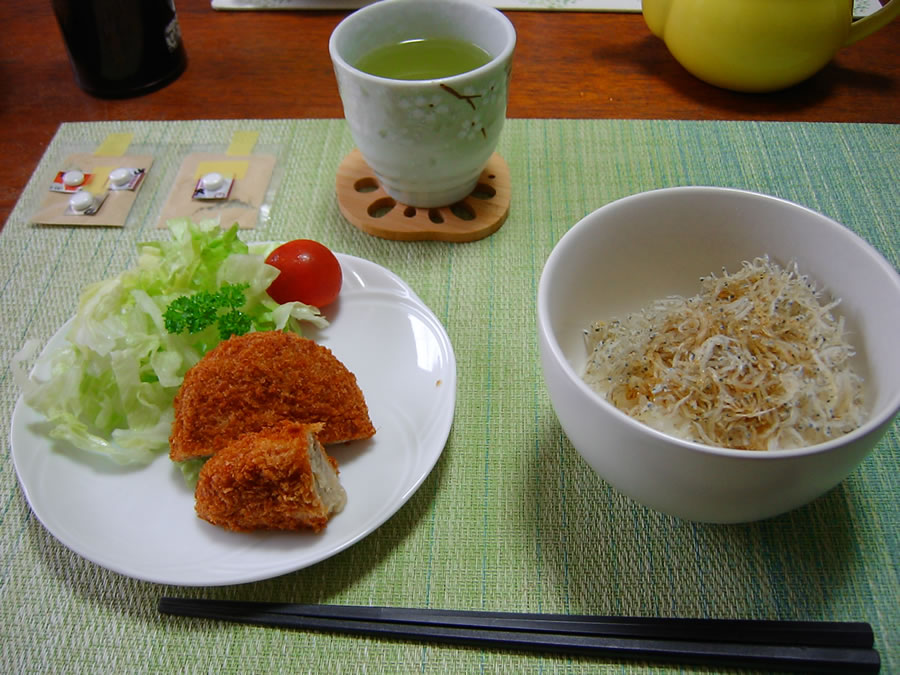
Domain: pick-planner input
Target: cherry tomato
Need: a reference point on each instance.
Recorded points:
(310, 273)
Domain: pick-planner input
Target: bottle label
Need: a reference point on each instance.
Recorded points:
(173, 34)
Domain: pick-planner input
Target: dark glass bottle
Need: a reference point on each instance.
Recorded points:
(121, 48)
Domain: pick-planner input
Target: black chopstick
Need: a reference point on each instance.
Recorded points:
(809, 633)
(785, 645)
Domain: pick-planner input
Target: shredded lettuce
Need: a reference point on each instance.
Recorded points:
(111, 386)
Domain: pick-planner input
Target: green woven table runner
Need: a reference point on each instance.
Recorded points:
(511, 518)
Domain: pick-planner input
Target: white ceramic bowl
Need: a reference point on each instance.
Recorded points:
(659, 243)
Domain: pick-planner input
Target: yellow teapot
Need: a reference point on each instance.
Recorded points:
(759, 45)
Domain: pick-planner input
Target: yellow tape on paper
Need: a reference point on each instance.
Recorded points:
(114, 145)
(101, 175)
(230, 168)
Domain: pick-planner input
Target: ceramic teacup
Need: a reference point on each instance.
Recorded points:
(426, 140)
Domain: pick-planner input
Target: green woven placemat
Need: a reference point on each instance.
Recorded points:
(511, 518)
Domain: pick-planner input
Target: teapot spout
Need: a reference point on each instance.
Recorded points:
(656, 13)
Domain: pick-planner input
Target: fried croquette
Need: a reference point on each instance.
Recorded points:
(279, 478)
(250, 382)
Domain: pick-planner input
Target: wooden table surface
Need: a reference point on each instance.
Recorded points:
(275, 65)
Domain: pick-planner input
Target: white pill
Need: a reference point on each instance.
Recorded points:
(212, 181)
(119, 177)
(81, 201)
(73, 178)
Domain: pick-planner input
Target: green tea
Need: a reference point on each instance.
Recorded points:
(423, 59)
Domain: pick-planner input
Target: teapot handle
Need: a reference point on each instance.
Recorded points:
(875, 21)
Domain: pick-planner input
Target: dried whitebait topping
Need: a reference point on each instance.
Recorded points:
(755, 361)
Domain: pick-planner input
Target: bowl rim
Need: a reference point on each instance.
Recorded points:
(503, 23)
(883, 417)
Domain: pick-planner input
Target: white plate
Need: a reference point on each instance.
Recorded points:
(141, 522)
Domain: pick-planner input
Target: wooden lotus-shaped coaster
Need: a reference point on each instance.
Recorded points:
(366, 205)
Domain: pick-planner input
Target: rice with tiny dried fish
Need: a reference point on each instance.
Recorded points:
(755, 361)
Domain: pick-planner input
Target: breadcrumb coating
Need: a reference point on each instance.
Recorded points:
(279, 478)
(251, 382)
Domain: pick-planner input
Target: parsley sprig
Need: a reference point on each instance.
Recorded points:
(194, 313)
